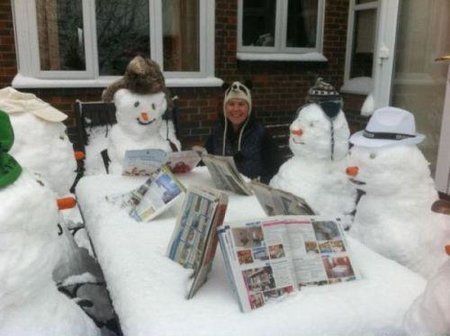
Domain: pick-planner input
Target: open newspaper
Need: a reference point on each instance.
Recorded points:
(268, 259)
(144, 162)
(225, 174)
(153, 197)
(279, 202)
(194, 239)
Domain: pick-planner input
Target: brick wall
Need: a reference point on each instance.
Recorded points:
(279, 88)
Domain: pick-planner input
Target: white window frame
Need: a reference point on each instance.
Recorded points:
(279, 52)
(353, 8)
(30, 74)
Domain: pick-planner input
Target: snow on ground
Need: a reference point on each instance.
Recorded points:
(148, 289)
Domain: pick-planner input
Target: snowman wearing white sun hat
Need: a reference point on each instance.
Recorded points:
(319, 141)
(394, 217)
(30, 303)
(41, 145)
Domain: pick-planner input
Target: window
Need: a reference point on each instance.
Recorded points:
(90, 42)
(280, 29)
(361, 39)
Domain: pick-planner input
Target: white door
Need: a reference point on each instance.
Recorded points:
(411, 35)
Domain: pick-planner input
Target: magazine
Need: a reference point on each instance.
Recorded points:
(144, 162)
(225, 174)
(271, 258)
(153, 197)
(183, 162)
(194, 239)
(278, 202)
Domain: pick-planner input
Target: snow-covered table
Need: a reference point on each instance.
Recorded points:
(148, 289)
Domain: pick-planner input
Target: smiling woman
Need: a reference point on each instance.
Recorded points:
(238, 134)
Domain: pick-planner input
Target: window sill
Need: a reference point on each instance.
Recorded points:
(308, 57)
(24, 82)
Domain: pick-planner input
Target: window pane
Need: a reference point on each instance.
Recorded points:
(123, 31)
(181, 35)
(302, 23)
(258, 23)
(363, 43)
(60, 34)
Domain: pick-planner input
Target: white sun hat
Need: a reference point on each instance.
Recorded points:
(13, 101)
(388, 126)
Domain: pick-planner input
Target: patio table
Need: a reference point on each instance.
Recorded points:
(148, 290)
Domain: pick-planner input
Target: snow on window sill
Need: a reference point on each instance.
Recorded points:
(24, 82)
(307, 57)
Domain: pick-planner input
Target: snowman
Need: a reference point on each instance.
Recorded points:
(139, 118)
(319, 141)
(394, 217)
(30, 303)
(41, 145)
(430, 312)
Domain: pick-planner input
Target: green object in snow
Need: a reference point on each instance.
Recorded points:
(10, 169)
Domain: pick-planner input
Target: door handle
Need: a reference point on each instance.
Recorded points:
(443, 58)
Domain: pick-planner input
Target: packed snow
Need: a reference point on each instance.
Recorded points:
(394, 217)
(43, 147)
(148, 289)
(312, 173)
(30, 303)
(430, 313)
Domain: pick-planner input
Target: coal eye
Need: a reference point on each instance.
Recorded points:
(372, 155)
(41, 183)
(153, 106)
(136, 104)
(311, 124)
(61, 137)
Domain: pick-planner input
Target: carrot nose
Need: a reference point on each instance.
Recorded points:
(66, 203)
(79, 155)
(352, 171)
(297, 132)
(144, 116)
(447, 249)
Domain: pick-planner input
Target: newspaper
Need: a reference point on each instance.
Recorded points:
(144, 162)
(225, 174)
(153, 197)
(278, 202)
(183, 162)
(194, 240)
(269, 259)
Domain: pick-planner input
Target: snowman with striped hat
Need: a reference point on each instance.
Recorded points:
(319, 141)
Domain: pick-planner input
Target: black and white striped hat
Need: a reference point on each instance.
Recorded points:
(322, 91)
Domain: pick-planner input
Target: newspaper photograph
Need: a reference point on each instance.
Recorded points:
(272, 258)
(183, 162)
(143, 162)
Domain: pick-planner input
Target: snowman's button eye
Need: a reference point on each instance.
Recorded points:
(153, 106)
(311, 124)
(61, 137)
(41, 183)
(373, 155)
(136, 104)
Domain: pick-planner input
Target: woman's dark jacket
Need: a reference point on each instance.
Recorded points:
(258, 156)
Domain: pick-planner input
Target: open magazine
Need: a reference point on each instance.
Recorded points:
(194, 239)
(153, 197)
(268, 259)
(279, 202)
(144, 162)
(225, 174)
